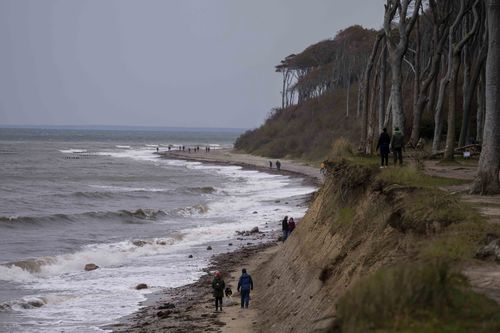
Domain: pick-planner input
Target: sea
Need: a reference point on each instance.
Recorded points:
(74, 196)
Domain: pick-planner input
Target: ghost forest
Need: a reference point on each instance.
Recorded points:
(432, 70)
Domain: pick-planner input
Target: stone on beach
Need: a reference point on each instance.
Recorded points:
(141, 286)
(91, 267)
(209, 248)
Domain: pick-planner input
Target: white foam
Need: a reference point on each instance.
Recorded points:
(123, 147)
(73, 151)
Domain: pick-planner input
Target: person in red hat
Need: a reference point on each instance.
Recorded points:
(218, 286)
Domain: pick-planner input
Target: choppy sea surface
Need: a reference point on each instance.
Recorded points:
(69, 197)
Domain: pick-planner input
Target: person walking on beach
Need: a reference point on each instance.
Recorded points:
(291, 225)
(384, 142)
(245, 284)
(278, 165)
(218, 287)
(284, 228)
(270, 164)
(397, 146)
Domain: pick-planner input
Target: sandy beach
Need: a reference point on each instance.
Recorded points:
(190, 308)
(232, 157)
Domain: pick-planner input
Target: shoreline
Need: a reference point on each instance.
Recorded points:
(190, 308)
(227, 156)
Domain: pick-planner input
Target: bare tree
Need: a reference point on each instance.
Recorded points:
(487, 181)
(397, 50)
(381, 91)
(445, 80)
(426, 89)
(366, 92)
(472, 73)
(455, 53)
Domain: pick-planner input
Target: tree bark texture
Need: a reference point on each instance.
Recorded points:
(487, 181)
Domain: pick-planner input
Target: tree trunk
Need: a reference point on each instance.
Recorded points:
(487, 181)
(470, 87)
(452, 105)
(438, 115)
(381, 91)
(480, 107)
(366, 93)
(348, 88)
(455, 59)
(398, 50)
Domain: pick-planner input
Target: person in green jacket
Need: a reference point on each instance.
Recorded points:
(218, 286)
(397, 145)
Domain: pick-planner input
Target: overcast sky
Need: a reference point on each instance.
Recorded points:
(180, 63)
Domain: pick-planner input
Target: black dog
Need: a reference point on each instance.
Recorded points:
(228, 292)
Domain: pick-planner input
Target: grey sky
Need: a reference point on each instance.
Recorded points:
(193, 63)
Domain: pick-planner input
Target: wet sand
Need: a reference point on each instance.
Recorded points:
(190, 308)
(232, 157)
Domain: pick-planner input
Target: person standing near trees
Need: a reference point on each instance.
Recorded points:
(278, 165)
(218, 286)
(397, 145)
(384, 142)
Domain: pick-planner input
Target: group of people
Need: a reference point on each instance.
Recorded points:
(287, 226)
(245, 285)
(386, 144)
(278, 164)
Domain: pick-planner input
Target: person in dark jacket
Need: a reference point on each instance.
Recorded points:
(284, 228)
(245, 284)
(398, 145)
(291, 225)
(384, 142)
(218, 287)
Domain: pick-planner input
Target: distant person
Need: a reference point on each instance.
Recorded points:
(291, 225)
(270, 164)
(218, 287)
(284, 228)
(384, 142)
(157, 149)
(278, 165)
(245, 284)
(397, 146)
(183, 148)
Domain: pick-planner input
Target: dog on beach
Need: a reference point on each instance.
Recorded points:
(228, 292)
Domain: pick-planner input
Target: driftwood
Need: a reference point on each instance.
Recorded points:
(475, 149)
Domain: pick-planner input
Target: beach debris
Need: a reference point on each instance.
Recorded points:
(190, 256)
(491, 249)
(91, 267)
(164, 314)
(209, 248)
(141, 286)
(230, 244)
(167, 306)
(254, 230)
(254, 212)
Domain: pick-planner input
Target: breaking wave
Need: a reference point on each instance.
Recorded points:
(139, 214)
(103, 255)
(33, 302)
